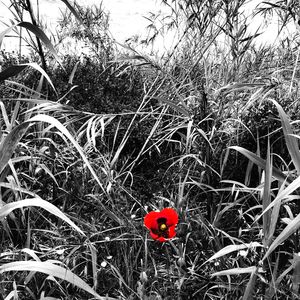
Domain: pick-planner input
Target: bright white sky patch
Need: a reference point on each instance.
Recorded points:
(126, 19)
(126, 16)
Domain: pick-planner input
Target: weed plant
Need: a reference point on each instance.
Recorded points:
(90, 144)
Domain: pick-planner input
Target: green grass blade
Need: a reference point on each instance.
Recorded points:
(37, 202)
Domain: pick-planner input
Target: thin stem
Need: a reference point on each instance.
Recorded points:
(40, 48)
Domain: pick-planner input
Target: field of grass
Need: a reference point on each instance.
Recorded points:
(124, 176)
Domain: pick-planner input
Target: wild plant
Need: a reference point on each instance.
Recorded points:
(208, 135)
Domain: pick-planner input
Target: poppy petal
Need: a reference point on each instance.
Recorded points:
(170, 214)
(172, 232)
(154, 220)
(150, 220)
(154, 236)
(161, 239)
(157, 237)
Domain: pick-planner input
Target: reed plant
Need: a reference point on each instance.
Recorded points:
(208, 130)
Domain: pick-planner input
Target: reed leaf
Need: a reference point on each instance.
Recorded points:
(283, 194)
(266, 198)
(35, 30)
(292, 227)
(260, 163)
(235, 271)
(248, 295)
(16, 69)
(52, 270)
(41, 35)
(11, 71)
(231, 248)
(291, 140)
(72, 9)
(9, 144)
(37, 202)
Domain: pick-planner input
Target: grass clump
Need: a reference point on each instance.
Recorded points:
(90, 144)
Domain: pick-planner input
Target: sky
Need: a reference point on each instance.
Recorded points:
(127, 18)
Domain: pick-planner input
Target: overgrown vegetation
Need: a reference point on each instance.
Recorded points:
(91, 142)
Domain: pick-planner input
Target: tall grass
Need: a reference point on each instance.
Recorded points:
(211, 131)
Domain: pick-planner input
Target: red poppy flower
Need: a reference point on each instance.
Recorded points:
(162, 224)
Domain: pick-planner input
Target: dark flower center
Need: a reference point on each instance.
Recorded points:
(162, 228)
